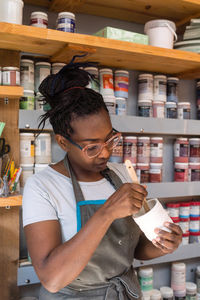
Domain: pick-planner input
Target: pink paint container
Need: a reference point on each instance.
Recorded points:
(181, 150)
(143, 150)
(155, 172)
(180, 172)
(194, 172)
(158, 109)
(194, 150)
(130, 148)
(142, 171)
(156, 150)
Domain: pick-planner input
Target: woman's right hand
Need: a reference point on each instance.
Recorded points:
(126, 201)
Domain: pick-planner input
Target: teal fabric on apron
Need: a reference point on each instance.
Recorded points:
(109, 273)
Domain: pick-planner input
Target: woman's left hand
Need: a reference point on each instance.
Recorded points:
(167, 242)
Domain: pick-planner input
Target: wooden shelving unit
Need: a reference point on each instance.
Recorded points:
(11, 91)
(134, 11)
(15, 200)
(61, 46)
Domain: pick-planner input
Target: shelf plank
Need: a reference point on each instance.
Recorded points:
(134, 11)
(11, 91)
(183, 252)
(11, 201)
(124, 54)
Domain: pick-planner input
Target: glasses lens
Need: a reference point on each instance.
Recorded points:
(93, 150)
(112, 143)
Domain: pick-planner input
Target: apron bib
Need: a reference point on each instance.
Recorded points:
(109, 273)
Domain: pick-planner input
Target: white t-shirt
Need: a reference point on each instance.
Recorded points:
(48, 195)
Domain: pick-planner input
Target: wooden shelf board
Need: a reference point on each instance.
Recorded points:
(11, 91)
(11, 201)
(61, 46)
(135, 11)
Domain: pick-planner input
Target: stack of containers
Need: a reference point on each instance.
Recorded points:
(159, 96)
(194, 225)
(27, 81)
(117, 153)
(130, 149)
(121, 85)
(181, 153)
(42, 70)
(107, 89)
(194, 159)
(143, 159)
(184, 219)
(145, 95)
(178, 280)
(172, 98)
(156, 159)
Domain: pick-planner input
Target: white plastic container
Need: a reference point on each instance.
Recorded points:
(27, 171)
(166, 292)
(39, 19)
(27, 148)
(39, 167)
(39, 102)
(11, 11)
(155, 172)
(93, 84)
(155, 218)
(156, 150)
(183, 110)
(110, 102)
(106, 82)
(56, 67)
(42, 70)
(160, 88)
(161, 33)
(27, 102)
(11, 76)
(121, 106)
(158, 109)
(155, 295)
(43, 149)
(146, 279)
(178, 276)
(27, 74)
(145, 87)
(66, 22)
(121, 83)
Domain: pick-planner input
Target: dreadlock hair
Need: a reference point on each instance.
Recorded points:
(69, 98)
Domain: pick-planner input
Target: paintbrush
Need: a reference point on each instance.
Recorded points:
(134, 178)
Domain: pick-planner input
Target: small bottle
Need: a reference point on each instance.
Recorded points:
(191, 291)
(166, 292)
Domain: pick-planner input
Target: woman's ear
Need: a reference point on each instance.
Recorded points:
(62, 142)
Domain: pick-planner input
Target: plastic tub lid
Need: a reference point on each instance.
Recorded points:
(184, 219)
(160, 77)
(120, 98)
(158, 103)
(173, 78)
(156, 165)
(130, 137)
(181, 164)
(159, 23)
(182, 139)
(41, 165)
(144, 101)
(26, 165)
(65, 14)
(91, 69)
(44, 134)
(10, 69)
(109, 98)
(121, 71)
(195, 203)
(184, 204)
(173, 204)
(194, 140)
(170, 104)
(186, 234)
(43, 63)
(194, 164)
(194, 218)
(105, 70)
(184, 103)
(166, 292)
(145, 75)
(143, 138)
(157, 138)
(27, 61)
(191, 286)
(28, 91)
(41, 13)
(178, 266)
(26, 134)
(58, 64)
(142, 165)
(195, 233)
(145, 271)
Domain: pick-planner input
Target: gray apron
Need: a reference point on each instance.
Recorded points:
(109, 273)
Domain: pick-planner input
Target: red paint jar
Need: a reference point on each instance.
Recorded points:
(180, 172)
(155, 172)
(181, 150)
(173, 210)
(184, 224)
(194, 172)
(156, 150)
(130, 148)
(143, 150)
(194, 153)
(142, 171)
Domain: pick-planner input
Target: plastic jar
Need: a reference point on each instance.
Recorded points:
(156, 150)
(173, 209)
(180, 172)
(42, 70)
(184, 224)
(145, 108)
(194, 172)
(121, 83)
(194, 150)
(106, 82)
(39, 167)
(185, 238)
(27, 74)
(121, 106)
(155, 172)
(194, 208)
(155, 295)
(191, 291)
(39, 102)
(171, 110)
(27, 148)
(130, 148)
(27, 171)
(143, 150)
(11, 11)
(178, 276)
(158, 109)
(194, 238)
(110, 102)
(56, 67)
(93, 84)
(145, 87)
(184, 110)
(66, 22)
(167, 293)
(184, 210)
(146, 279)
(181, 150)
(11, 76)
(172, 89)
(39, 19)
(142, 171)
(197, 278)
(160, 88)
(27, 102)
(43, 149)
(117, 153)
(194, 225)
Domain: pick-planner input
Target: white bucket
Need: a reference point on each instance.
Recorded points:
(161, 33)
(11, 11)
(155, 218)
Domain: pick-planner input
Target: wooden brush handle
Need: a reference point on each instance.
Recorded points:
(134, 178)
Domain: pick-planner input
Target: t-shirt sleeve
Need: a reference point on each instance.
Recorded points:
(36, 204)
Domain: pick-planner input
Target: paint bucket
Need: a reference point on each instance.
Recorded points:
(154, 218)
(43, 149)
(11, 11)
(161, 33)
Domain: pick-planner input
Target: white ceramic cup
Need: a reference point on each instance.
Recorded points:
(155, 218)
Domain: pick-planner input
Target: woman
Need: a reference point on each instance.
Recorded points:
(77, 213)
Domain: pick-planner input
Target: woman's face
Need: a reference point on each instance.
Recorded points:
(96, 128)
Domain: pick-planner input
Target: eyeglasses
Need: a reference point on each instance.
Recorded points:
(93, 150)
